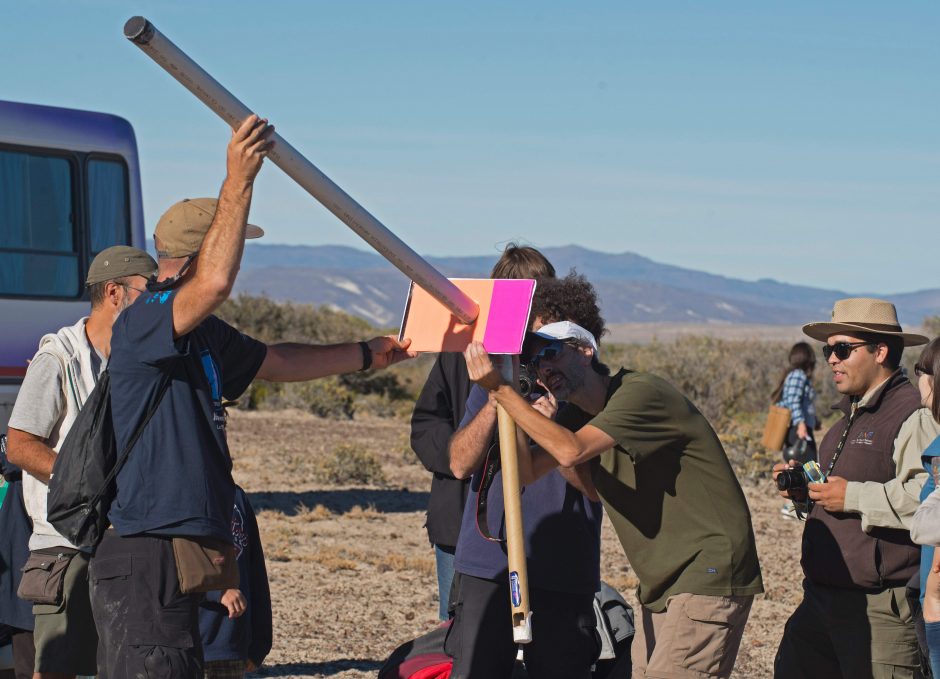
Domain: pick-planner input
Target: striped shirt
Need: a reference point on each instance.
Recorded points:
(799, 396)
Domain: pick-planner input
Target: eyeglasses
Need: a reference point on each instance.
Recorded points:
(131, 287)
(920, 371)
(549, 351)
(843, 350)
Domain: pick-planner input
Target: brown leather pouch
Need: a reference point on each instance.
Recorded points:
(205, 564)
(44, 576)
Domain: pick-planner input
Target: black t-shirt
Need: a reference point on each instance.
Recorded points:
(178, 478)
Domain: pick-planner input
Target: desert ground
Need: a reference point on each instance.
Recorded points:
(352, 573)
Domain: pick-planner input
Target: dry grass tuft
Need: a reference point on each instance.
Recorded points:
(399, 562)
(334, 559)
(370, 513)
(318, 513)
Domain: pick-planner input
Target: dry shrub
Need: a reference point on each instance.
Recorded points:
(399, 562)
(402, 451)
(730, 382)
(378, 405)
(723, 378)
(932, 326)
(318, 513)
(281, 554)
(333, 559)
(370, 513)
(349, 463)
(325, 397)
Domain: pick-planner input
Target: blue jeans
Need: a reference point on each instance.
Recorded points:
(445, 576)
(933, 644)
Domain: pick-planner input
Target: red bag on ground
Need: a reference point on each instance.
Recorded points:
(421, 658)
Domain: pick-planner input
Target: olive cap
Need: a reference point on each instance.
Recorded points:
(119, 261)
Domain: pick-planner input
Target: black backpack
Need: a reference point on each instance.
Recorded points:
(82, 484)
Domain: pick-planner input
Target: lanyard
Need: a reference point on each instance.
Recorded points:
(845, 435)
(490, 466)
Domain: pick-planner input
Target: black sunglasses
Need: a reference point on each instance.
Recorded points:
(549, 351)
(920, 370)
(843, 350)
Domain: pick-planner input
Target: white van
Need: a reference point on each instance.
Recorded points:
(69, 188)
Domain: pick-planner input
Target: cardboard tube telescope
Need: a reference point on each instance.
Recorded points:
(521, 615)
(153, 43)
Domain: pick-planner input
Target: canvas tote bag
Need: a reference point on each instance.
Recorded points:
(775, 430)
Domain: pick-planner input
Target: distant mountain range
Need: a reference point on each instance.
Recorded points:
(633, 288)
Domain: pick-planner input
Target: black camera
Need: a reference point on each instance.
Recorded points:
(796, 478)
(529, 385)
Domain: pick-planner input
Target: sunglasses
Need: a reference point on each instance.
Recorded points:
(842, 350)
(920, 371)
(549, 351)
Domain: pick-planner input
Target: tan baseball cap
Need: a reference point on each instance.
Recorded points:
(183, 227)
(119, 261)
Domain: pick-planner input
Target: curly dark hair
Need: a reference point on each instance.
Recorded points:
(571, 298)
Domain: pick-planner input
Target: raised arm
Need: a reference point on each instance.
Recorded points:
(221, 252)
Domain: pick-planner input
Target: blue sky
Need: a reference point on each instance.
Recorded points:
(796, 141)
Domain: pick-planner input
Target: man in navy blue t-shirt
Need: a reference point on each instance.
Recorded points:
(177, 481)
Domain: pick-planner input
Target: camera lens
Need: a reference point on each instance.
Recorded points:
(525, 385)
(791, 479)
(529, 386)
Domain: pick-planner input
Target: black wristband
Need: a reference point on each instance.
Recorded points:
(366, 356)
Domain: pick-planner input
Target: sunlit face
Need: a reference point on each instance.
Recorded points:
(925, 386)
(561, 369)
(860, 370)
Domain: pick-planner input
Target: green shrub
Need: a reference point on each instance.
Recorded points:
(270, 321)
(349, 463)
(379, 393)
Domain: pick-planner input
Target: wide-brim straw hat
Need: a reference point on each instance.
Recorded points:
(863, 314)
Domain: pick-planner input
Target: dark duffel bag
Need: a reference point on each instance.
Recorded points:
(82, 485)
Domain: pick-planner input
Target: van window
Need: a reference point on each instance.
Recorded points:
(108, 218)
(38, 248)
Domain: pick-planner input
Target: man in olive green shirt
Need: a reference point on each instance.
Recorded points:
(667, 485)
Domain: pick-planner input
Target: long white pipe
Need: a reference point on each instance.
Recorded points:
(159, 48)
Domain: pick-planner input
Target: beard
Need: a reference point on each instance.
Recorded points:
(125, 302)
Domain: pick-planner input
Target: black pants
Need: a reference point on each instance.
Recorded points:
(564, 637)
(146, 626)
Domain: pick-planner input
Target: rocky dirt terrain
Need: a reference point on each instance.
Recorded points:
(352, 574)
